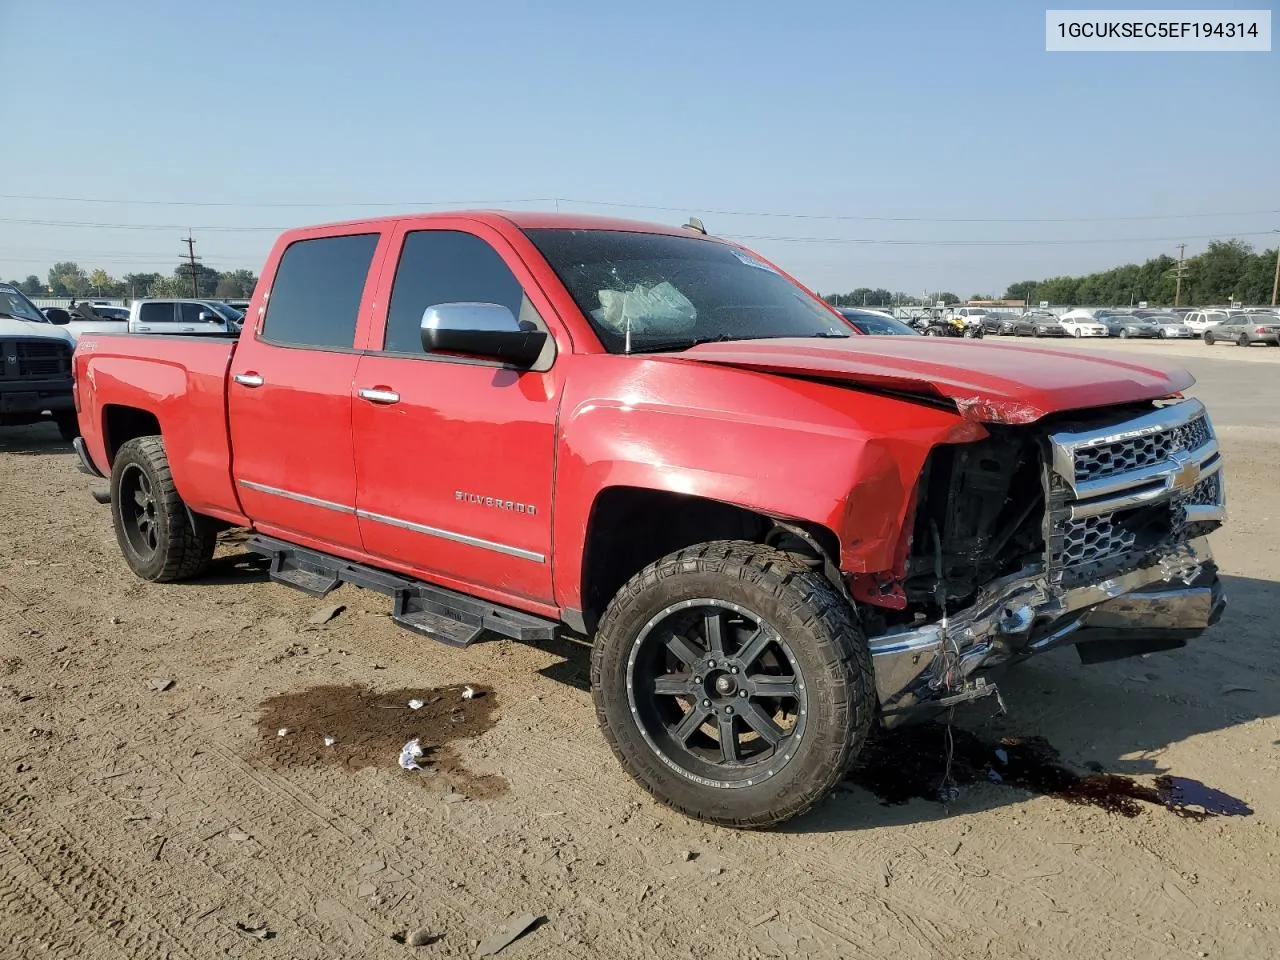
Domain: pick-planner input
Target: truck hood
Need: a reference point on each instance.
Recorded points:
(10, 327)
(988, 383)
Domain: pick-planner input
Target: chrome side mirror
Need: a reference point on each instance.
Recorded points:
(487, 330)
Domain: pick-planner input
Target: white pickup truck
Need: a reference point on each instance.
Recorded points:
(188, 317)
(35, 366)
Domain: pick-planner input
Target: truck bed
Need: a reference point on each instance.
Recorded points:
(179, 381)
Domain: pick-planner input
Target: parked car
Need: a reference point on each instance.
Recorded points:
(875, 323)
(1170, 326)
(1201, 320)
(1080, 323)
(241, 306)
(1245, 330)
(1125, 326)
(511, 422)
(1039, 325)
(187, 317)
(997, 321)
(35, 365)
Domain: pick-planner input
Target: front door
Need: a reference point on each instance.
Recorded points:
(454, 456)
(289, 394)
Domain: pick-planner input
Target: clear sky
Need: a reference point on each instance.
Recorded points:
(928, 112)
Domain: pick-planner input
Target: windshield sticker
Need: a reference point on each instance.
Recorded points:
(751, 261)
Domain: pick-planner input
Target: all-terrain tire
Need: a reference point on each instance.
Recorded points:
(68, 425)
(832, 661)
(180, 546)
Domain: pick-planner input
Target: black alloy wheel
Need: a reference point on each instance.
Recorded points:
(716, 692)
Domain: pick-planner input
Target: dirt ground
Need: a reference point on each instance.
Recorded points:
(149, 806)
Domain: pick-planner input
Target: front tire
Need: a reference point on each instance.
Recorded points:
(1208, 339)
(160, 539)
(68, 425)
(733, 683)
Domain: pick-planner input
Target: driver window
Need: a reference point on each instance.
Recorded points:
(450, 266)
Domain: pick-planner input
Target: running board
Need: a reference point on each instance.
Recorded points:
(445, 615)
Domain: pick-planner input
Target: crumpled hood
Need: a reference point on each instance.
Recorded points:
(988, 382)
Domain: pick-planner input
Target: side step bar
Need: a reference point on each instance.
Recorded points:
(444, 615)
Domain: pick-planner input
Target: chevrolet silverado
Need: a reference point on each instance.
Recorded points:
(776, 531)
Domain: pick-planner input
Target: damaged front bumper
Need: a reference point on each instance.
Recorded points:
(1157, 607)
(1098, 587)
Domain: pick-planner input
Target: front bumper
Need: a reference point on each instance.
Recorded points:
(28, 398)
(1159, 606)
(1098, 585)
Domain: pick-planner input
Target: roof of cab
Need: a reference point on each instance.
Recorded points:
(523, 219)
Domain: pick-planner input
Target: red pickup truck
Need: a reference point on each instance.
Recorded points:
(777, 531)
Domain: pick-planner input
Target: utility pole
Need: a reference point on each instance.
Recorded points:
(1181, 272)
(191, 256)
(1275, 284)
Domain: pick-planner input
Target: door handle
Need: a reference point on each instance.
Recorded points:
(249, 380)
(379, 395)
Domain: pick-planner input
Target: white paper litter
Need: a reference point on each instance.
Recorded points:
(283, 732)
(410, 753)
(468, 693)
(415, 704)
(330, 741)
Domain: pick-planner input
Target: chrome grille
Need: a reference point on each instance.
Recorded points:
(1094, 539)
(1118, 492)
(1110, 459)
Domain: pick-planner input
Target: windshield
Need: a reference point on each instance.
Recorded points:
(15, 303)
(1167, 318)
(225, 311)
(644, 292)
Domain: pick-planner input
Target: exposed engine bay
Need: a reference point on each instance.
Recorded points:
(1086, 529)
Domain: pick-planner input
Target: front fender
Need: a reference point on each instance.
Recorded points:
(842, 459)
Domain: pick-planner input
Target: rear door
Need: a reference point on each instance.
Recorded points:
(455, 456)
(289, 393)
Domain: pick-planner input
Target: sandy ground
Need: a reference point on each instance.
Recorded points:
(148, 807)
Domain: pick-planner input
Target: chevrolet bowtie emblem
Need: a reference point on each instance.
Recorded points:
(1186, 473)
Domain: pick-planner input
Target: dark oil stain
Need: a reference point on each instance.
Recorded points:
(369, 727)
(910, 763)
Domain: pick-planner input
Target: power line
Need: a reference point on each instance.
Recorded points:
(873, 219)
(782, 239)
(988, 243)
(282, 204)
(411, 204)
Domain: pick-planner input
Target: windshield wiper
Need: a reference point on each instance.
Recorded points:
(831, 335)
(684, 343)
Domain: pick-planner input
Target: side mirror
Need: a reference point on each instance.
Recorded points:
(482, 330)
(58, 315)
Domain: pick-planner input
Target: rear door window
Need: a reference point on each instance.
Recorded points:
(316, 294)
(156, 313)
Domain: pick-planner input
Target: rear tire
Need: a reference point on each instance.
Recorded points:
(1208, 339)
(733, 683)
(160, 539)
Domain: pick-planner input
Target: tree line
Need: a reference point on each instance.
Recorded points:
(1228, 270)
(69, 279)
